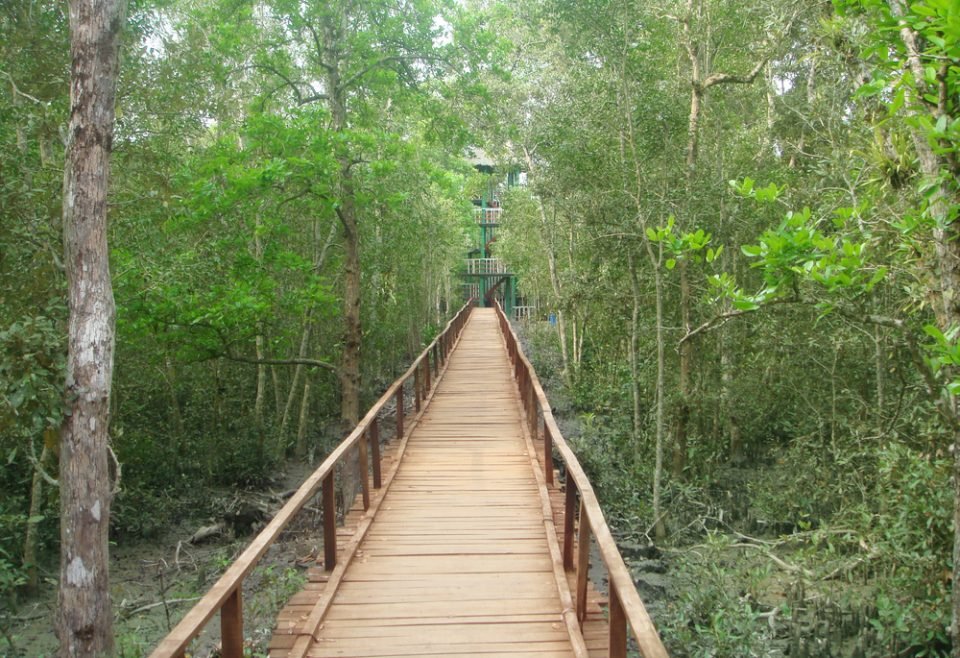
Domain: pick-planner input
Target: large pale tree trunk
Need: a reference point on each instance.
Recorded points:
(84, 616)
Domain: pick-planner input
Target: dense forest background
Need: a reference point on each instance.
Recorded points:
(739, 213)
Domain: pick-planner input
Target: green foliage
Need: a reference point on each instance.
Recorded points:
(910, 536)
(31, 374)
(716, 611)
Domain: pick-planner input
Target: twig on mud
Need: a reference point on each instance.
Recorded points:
(786, 566)
(755, 540)
(151, 606)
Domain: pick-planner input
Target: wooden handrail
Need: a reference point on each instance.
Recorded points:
(626, 607)
(226, 594)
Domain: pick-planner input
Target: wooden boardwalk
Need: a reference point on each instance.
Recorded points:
(458, 556)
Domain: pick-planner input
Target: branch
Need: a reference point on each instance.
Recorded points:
(16, 89)
(400, 59)
(728, 78)
(320, 49)
(300, 99)
(281, 362)
(718, 321)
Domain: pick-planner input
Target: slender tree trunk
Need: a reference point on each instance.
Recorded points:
(295, 384)
(555, 283)
(660, 530)
(731, 422)
(301, 448)
(879, 369)
(84, 616)
(686, 357)
(261, 367)
(635, 347)
(176, 416)
(36, 506)
(277, 393)
(261, 385)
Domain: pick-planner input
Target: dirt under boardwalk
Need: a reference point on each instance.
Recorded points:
(456, 561)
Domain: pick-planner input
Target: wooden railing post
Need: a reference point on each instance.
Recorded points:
(618, 625)
(364, 468)
(231, 624)
(374, 434)
(329, 523)
(400, 411)
(426, 371)
(583, 562)
(532, 407)
(547, 452)
(416, 388)
(569, 509)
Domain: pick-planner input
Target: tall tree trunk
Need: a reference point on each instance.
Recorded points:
(352, 336)
(84, 615)
(349, 373)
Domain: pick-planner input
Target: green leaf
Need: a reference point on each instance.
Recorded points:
(745, 305)
(671, 263)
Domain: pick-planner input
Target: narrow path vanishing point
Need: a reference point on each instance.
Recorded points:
(457, 560)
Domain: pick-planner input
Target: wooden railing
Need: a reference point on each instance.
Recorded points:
(626, 608)
(226, 595)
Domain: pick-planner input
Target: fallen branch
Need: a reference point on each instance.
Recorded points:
(786, 566)
(151, 606)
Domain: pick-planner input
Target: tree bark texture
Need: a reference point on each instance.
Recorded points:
(84, 616)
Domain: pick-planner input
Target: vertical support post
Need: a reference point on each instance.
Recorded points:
(583, 562)
(436, 359)
(532, 406)
(400, 411)
(374, 433)
(416, 388)
(426, 371)
(364, 468)
(618, 626)
(231, 624)
(329, 524)
(547, 453)
(569, 509)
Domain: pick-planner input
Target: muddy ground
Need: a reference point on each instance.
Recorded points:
(154, 583)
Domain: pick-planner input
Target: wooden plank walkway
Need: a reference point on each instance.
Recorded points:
(461, 558)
